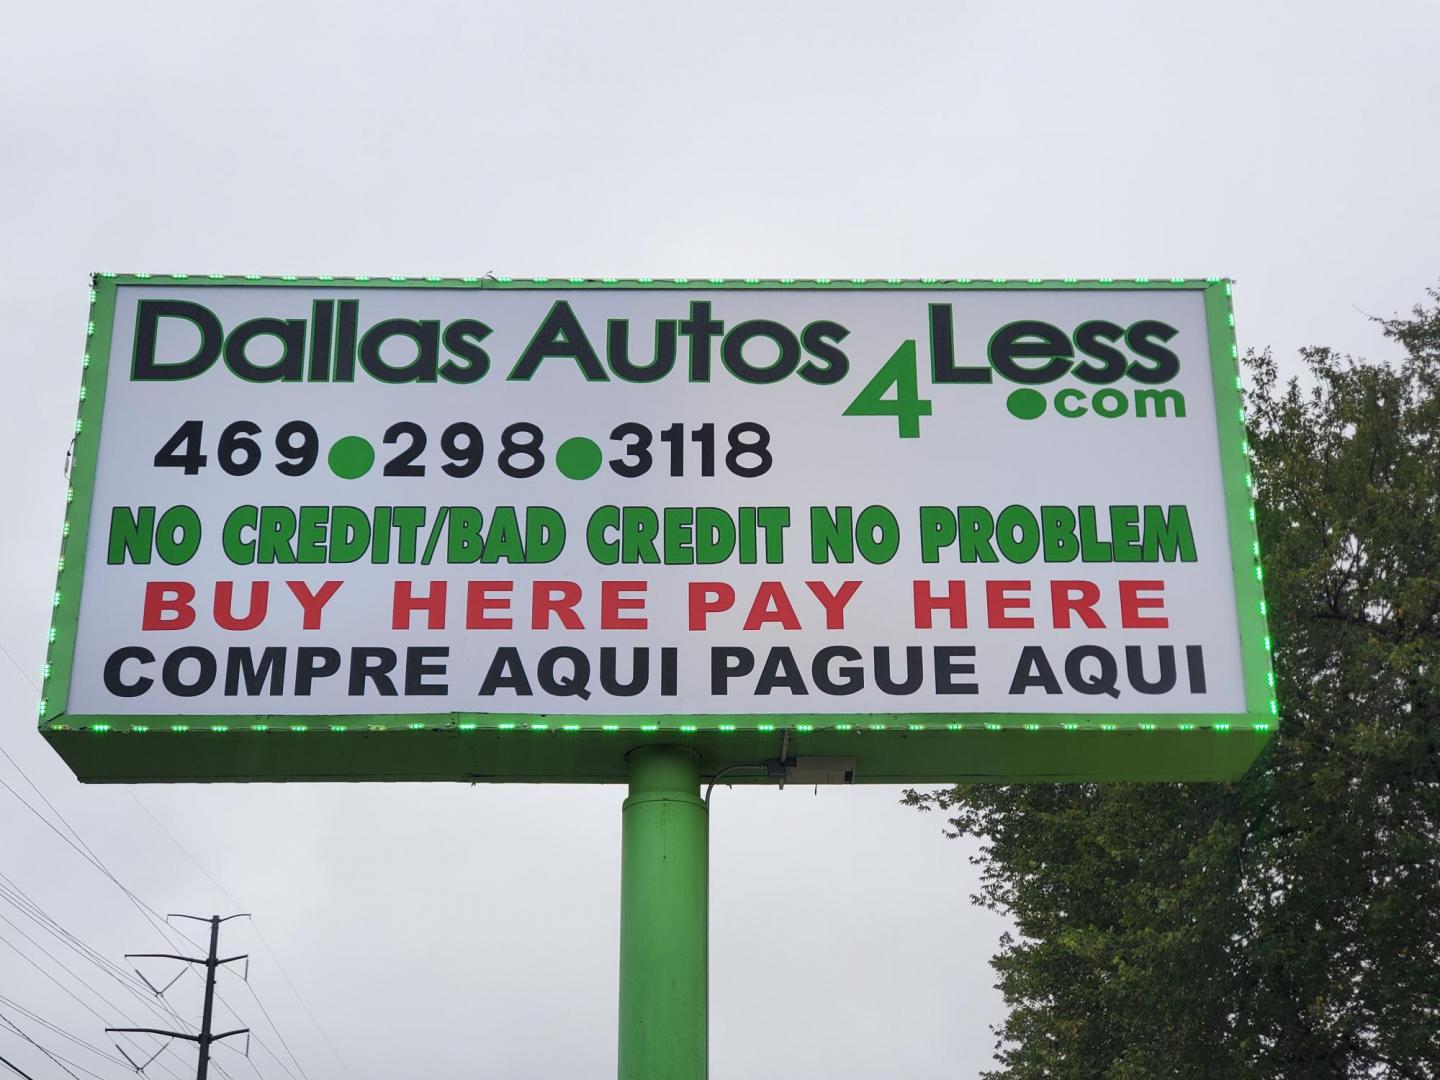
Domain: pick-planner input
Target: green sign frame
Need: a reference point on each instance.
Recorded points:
(888, 748)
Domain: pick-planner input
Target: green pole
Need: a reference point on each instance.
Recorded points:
(664, 918)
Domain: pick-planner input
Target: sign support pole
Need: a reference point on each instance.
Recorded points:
(664, 918)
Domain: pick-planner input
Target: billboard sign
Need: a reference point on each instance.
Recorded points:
(482, 528)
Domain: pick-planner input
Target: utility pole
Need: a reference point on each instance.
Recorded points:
(211, 962)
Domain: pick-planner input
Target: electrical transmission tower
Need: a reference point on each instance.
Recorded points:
(211, 962)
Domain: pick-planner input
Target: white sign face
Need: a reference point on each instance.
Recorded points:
(351, 499)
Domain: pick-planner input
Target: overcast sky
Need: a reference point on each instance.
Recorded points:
(448, 931)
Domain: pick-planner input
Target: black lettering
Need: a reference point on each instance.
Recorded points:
(1143, 338)
(147, 324)
(291, 365)
(1033, 669)
(700, 328)
(943, 368)
(240, 667)
(314, 662)
(322, 330)
(576, 684)
(418, 668)
(115, 684)
(639, 669)
(852, 676)
(1195, 663)
(949, 664)
(1135, 668)
(1096, 339)
(1030, 339)
(561, 336)
(1102, 682)
(462, 340)
(821, 340)
(371, 665)
(506, 672)
(728, 662)
(914, 670)
(669, 671)
(780, 672)
(617, 351)
(346, 335)
(732, 351)
(421, 368)
(170, 674)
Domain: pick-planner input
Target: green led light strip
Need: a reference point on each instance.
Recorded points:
(689, 283)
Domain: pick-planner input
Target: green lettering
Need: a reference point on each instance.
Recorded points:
(1092, 548)
(131, 535)
(1168, 535)
(637, 536)
(714, 535)
(464, 542)
(832, 534)
(678, 538)
(1161, 399)
(604, 551)
(937, 531)
(976, 526)
(310, 538)
(544, 534)
(1021, 548)
(238, 551)
(1125, 533)
(1057, 527)
(503, 539)
(275, 535)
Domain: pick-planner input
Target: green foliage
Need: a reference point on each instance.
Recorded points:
(1287, 925)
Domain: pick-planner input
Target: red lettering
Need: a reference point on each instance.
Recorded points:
(226, 619)
(558, 598)
(168, 606)
(479, 604)
(833, 602)
(1132, 603)
(771, 605)
(706, 598)
(952, 601)
(614, 600)
(999, 602)
(313, 603)
(407, 603)
(1078, 598)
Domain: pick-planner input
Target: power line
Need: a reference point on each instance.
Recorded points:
(263, 941)
(81, 848)
(283, 1043)
(36, 1018)
(63, 1062)
(151, 914)
(206, 1035)
(145, 910)
(183, 849)
(65, 989)
(78, 844)
(85, 851)
(45, 921)
(23, 673)
(51, 956)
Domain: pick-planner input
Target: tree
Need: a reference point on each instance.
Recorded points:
(1288, 924)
